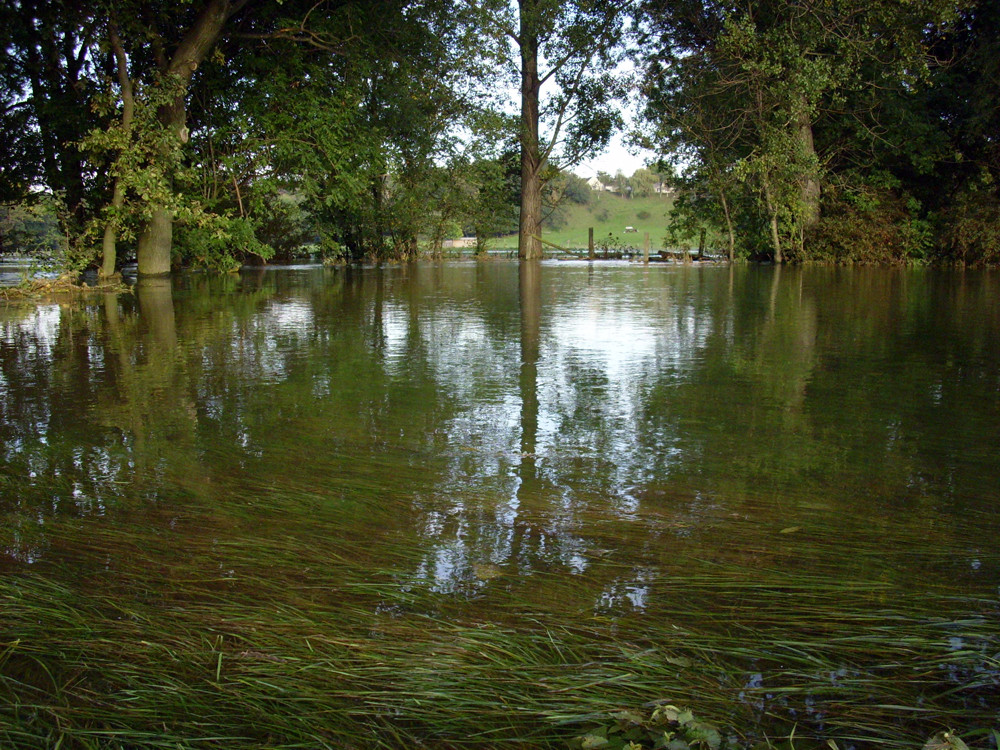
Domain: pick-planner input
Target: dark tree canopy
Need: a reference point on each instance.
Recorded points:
(813, 130)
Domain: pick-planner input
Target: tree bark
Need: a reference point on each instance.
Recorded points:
(809, 189)
(110, 250)
(529, 245)
(772, 211)
(156, 239)
(729, 225)
(155, 243)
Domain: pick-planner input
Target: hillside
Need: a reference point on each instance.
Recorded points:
(607, 214)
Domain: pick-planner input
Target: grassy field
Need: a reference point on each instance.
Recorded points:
(608, 214)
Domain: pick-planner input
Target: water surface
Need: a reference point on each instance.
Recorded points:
(784, 482)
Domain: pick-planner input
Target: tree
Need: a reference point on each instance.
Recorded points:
(643, 182)
(962, 100)
(194, 41)
(109, 254)
(570, 49)
(48, 64)
(152, 119)
(746, 89)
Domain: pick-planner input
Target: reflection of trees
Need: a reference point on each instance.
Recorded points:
(610, 450)
(698, 415)
(635, 417)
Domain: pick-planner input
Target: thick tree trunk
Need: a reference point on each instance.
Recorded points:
(110, 249)
(529, 245)
(156, 240)
(155, 243)
(809, 190)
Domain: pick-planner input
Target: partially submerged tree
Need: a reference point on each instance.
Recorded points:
(176, 67)
(745, 92)
(572, 50)
(156, 117)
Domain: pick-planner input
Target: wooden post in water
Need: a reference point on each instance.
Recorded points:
(645, 248)
(701, 244)
(590, 243)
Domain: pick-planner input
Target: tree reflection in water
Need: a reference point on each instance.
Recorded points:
(604, 447)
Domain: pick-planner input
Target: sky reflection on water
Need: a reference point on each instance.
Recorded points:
(590, 442)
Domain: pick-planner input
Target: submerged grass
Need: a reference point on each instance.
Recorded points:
(363, 656)
(164, 626)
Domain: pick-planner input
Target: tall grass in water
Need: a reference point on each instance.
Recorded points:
(292, 644)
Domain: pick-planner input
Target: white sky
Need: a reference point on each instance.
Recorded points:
(616, 157)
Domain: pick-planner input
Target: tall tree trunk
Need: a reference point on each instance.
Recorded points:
(529, 245)
(772, 212)
(110, 251)
(729, 225)
(156, 239)
(809, 191)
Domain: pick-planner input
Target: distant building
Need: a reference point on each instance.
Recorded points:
(597, 185)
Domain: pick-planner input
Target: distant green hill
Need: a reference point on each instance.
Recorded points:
(608, 214)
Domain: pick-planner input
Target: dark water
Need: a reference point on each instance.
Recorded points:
(791, 473)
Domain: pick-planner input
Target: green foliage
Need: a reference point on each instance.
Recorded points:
(576, 189)
(282, 223)
(493, 209)
(761, 110)
(143, 155)
(31, 229)
(972, 227)
(219, 242)
(666, 728)
(872, 226)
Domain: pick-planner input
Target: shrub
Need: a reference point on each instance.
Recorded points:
(972, 228)
(870, 226)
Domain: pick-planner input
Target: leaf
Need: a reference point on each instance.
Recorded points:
(627, 717)
(685, 717)
(593, 742)
(945, 741)
(666, 714)
(704, 735)
(679, 661)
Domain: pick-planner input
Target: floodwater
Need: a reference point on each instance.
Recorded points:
(784, 482)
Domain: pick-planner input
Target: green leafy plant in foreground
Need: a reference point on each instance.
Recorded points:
(667, 728)
(671, 728)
